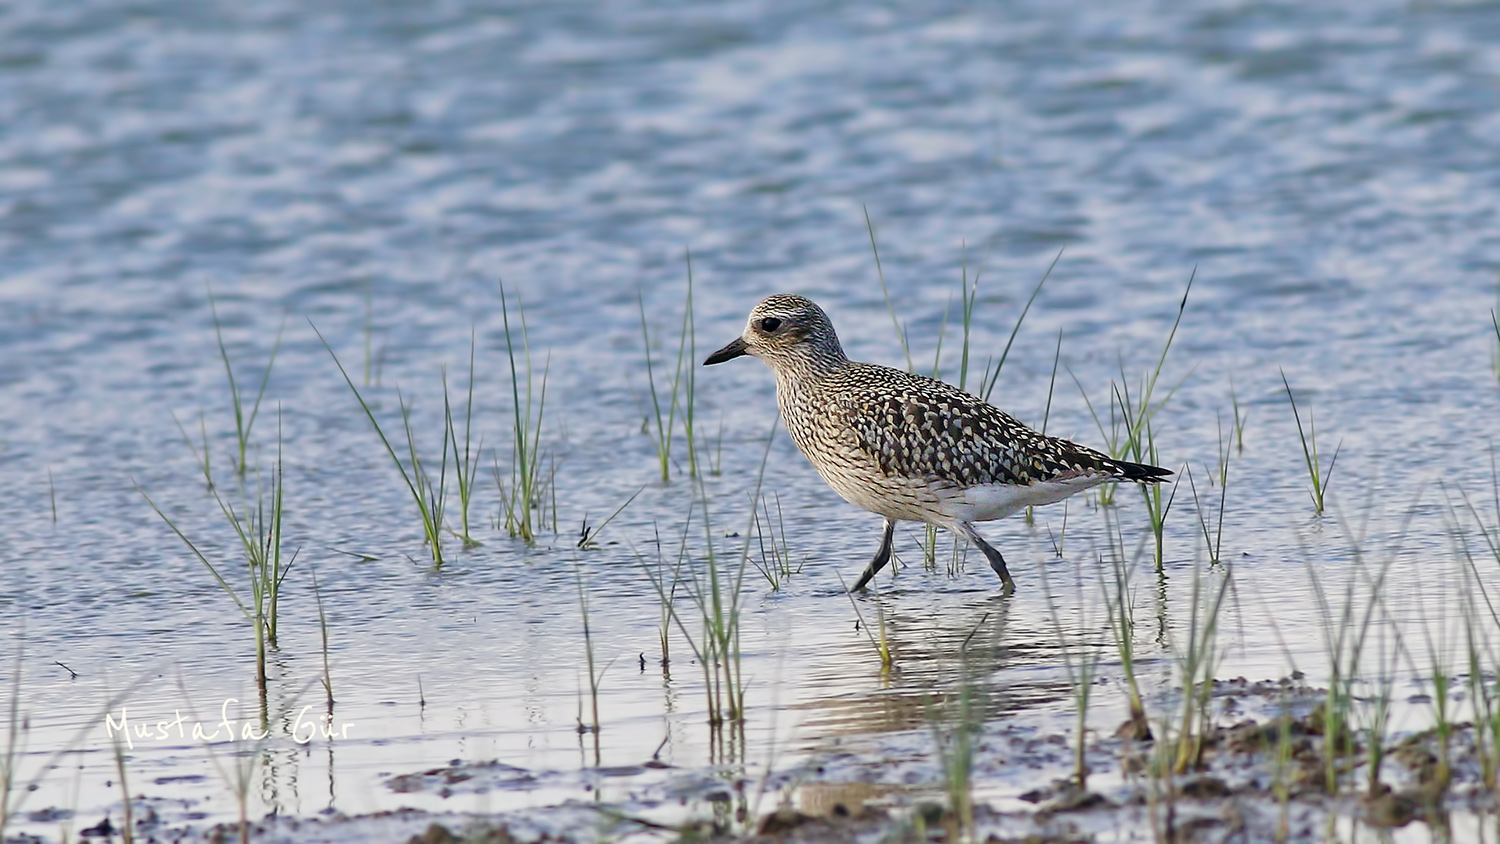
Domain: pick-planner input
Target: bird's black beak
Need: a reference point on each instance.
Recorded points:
(735, 348)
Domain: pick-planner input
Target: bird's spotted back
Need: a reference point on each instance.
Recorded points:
(918, 427)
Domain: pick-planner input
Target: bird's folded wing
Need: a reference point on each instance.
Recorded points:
(950, 435)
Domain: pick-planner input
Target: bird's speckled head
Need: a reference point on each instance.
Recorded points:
(788, 332)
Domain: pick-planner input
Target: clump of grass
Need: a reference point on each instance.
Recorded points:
(1141, 442)
(1281, 771)
(258, 527)
(1137, 441)
(1319, 477)
(1158, 503)
(1180, 739)
(955, 745)
(1197, 660)
(1441, 677)
(682, 398)
(521, 494)
(1119, 603)
(1080, 656)
(715, 589)
(666, 587)
(430, 498)
(1345, 631)
(955, 724)
(1480, 618)
(1377, 711)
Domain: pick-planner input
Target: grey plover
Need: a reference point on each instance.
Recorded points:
(907, 447)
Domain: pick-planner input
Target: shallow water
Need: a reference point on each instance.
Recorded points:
(1324, 174)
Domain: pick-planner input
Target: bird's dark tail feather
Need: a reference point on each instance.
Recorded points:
(1141, 472)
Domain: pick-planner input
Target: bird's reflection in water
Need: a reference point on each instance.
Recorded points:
(975, 652)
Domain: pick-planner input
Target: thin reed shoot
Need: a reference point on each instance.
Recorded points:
(1495, 321)
(588, 535)
(429, 498)
(466, 458)
(775, 563)
(244, 420)
(1319, 477)
(127, 811)
(1046, 416)
(1241, 418)
(886, 292)
(201, 454)
(882, 645)
(521, 495)
(14, 750)
(992, 375)
(596, 677)
(1213, 537)
(327, 678)
(661, 425)
(369, 330)
(1158, 503)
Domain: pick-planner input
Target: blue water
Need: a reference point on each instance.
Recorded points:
(1325, 173)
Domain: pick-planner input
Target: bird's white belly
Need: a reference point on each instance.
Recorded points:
(988, 502)
(943, 504)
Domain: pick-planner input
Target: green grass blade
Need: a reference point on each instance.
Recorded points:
(986, 388)
(885, 291)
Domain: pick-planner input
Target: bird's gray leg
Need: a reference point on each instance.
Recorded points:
(997, 562)
(882, 556)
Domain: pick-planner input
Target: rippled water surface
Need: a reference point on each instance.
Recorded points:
(1326, 173)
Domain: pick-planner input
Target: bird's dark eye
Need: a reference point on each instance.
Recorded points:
(770, 324)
